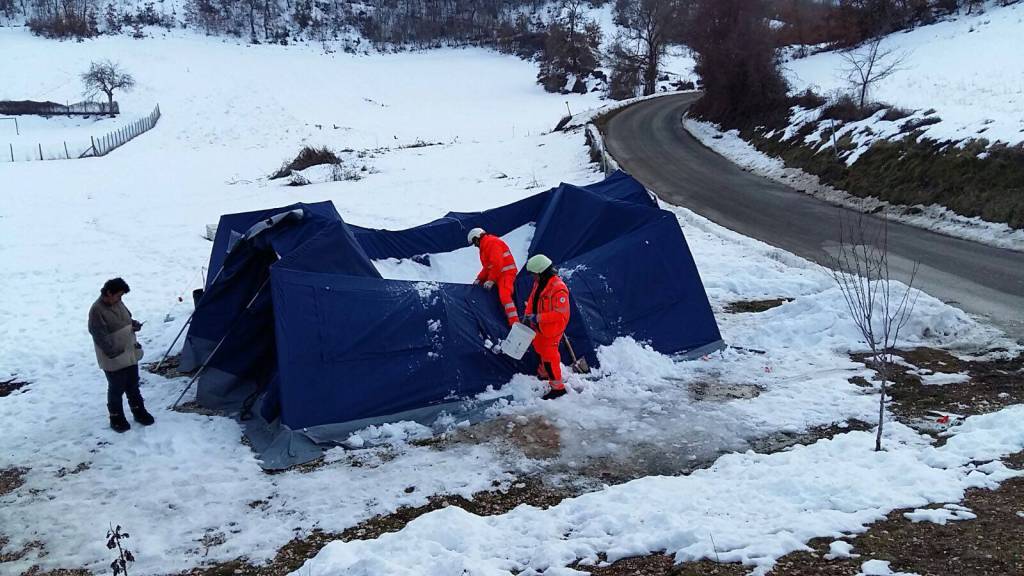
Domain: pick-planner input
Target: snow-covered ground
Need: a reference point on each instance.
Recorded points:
(55, 137)
(748, 508)
(933, 217)
(190, 492)
(970, 70)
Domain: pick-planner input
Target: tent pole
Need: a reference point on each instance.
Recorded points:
(171, 347)
(217, 347)
(182, 331)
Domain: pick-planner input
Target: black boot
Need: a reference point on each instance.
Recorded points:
(142, 416)
(118, 423)
(554, 393)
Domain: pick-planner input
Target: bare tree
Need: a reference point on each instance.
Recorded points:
(880, 307)
(106, 77)
(645, 33)
(869, 65)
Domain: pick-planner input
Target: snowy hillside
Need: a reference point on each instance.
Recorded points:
(969, 69)
(437, 131)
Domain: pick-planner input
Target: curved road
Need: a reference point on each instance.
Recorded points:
(648, 141)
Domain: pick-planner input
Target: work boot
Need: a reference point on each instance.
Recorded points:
(119, 424)
(142, 416)
(554, 393)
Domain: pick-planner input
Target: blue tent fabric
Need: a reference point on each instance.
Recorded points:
(306, 330)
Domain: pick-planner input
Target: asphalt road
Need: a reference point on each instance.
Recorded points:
(648, 141)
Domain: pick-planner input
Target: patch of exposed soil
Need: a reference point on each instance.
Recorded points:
(779, 441)
(11, 479)
(82, 467)
(993, 385)
(292, 555)
(193, 407)
(535, 436)
(15, 555)
(168, 368)
(741, 306)
(663, 565)
(8, 387)
(37, 571)
(702, 391)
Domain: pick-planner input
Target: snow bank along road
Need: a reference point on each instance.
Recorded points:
(648, 140)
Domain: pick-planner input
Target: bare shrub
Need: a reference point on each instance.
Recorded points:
(880, 307)
(308, 156)
(869, 65)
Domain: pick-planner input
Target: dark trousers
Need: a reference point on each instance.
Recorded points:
(123, 382)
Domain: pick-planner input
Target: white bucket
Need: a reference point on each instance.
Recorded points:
(518, 340)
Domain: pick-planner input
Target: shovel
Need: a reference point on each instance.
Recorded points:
(579, 365)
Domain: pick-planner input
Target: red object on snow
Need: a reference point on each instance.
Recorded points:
(943, 420)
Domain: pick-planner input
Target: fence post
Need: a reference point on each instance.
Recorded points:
(66, 150)
(12, 152)
(40, 150)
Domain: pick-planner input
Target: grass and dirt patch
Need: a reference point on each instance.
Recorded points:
(742, 306)
(993, 384)
(11, 479)
(974, 178)
(10, 386)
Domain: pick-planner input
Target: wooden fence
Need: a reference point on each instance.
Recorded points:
(95, 146)
(105, 144)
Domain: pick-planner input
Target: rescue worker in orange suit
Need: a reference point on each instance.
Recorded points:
(498, 268)
(547, 312)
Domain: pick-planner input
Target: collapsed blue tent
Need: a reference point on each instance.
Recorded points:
(297, 327)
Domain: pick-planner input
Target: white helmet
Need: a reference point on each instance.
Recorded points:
(538, 264)
(474, 234)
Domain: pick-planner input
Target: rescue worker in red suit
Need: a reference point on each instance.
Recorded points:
(498, 268)
(547, 312)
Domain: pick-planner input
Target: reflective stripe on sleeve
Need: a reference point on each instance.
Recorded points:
(509, 267)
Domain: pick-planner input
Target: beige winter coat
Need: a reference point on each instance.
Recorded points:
(113, 336)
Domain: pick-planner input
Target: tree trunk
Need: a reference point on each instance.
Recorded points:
(883, 369)
(650, 71)
(110, 103)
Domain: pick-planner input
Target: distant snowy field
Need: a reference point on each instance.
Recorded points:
(232, 114)
(969, 69)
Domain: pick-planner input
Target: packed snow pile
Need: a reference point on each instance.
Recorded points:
(968, 69)
(880, 568)
(948, 513)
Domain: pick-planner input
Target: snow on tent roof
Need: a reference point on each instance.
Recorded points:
(299, 324)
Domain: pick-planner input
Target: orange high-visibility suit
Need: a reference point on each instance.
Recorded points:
(499, 267)
(551, 308)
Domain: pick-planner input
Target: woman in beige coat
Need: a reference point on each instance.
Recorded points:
(118, 353)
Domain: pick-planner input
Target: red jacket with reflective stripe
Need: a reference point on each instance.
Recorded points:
(552, 308)
(495, 259)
